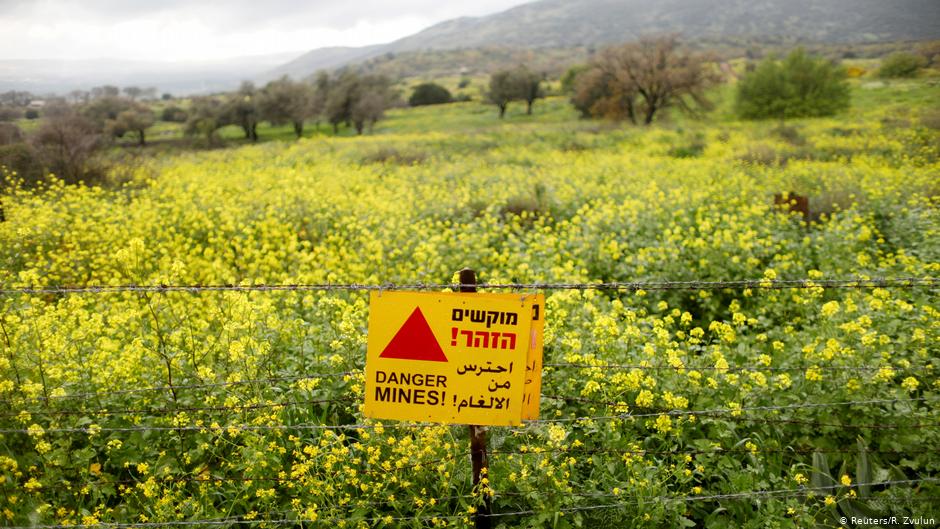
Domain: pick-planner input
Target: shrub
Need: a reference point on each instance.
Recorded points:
(396, 156)
(798, 86)
(901, 64)
(10, 133)
(429, 94)
(761, 154)
(931, 119)
(789, 134)
(31, 113)
(174, 114)
(23, 160)
(8, 113)
(67, 146)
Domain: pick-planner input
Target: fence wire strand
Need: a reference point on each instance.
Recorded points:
(778, 493)
(754, 284)
(405, 425)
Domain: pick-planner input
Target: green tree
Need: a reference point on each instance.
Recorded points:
(206, 116)
(901, 64)
(798, 86)
(287, 101)
(136, 119)
(241, 108)
(502, 90)
(570, 77)
(528, 86)
(429, 94)
(357, 100)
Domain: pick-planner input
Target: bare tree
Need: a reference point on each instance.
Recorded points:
(105, 91)
(67, 144)
(133, 92)
(637, 80)
(79, 96)
(10, 133)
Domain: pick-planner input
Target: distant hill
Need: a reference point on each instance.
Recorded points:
(325, 59)
(561, 24)
(568, 23)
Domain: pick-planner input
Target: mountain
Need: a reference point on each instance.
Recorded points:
(567, 23)
(560, 24)
(324, 59)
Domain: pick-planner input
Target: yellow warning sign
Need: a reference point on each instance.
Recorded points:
(452, 357)
(533, 367)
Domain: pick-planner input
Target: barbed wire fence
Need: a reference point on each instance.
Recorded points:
(764, 284)
(742, 414)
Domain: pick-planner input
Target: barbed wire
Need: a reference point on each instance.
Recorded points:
(418, 518)
(182, 409)
(201, 478)
(624, 416)
(818, 424)
(143, 413)
(695, 451)
(731, 411)
(755, 284)
(298, 378)
(735, 369)
(93, 394)
(734, 495)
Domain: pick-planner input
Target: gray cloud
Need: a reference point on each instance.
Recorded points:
(213, 29)
(228, 15)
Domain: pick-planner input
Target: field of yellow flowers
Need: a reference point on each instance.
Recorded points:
(712, 408)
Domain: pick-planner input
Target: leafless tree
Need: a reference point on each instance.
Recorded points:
(635, 81)
(67, 144)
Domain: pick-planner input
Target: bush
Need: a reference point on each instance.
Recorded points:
(10, 133)
(789, 134)
(570, 78)
(31, 113)
(429, 94)
(931, 119)
(798, 86)
(396, 156)
(67, 146)
(173, 114)
(8, 113)
(901, 64)
(23, 160)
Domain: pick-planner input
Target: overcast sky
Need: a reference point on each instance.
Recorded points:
(193, 30)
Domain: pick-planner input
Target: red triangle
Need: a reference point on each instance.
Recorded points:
(414, 341)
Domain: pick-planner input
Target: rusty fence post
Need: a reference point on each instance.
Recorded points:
(478, 457)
